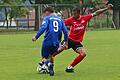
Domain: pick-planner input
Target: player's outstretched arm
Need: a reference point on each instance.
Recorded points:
(41, 30)
(34, 39)
(65, 35)
(109, 6)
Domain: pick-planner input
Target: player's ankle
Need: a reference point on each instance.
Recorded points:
(70, 67)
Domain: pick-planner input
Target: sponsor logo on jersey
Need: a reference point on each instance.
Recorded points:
(80, 27)
(74, 22)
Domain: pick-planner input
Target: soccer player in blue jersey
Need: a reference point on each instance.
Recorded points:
(53, 27)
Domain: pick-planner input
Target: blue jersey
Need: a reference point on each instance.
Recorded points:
(53, 27)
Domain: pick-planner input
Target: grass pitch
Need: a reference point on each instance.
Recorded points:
(19, 57)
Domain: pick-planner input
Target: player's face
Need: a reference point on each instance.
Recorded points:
(76, 14)
(47, 13)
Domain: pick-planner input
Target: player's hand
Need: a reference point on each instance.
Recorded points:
(64, 45)
(109, 6)
(34, 39)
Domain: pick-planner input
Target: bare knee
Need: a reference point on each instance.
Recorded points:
(81, 51)
(83, 54)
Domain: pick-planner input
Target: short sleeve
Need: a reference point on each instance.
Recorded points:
(67, 22)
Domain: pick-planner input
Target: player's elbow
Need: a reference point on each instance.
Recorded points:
(94, 14)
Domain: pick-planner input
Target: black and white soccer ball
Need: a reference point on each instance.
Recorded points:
(42, 69)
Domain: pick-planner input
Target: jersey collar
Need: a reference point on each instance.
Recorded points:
(76, 19)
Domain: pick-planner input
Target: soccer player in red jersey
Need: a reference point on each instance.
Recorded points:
(77, 24)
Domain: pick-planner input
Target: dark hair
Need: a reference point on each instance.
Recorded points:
(76, 9)
(49, 9)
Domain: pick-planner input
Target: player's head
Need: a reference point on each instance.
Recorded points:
(76, 12)
(48, 10)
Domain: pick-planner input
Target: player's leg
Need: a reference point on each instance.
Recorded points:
(49, 59)
(63, 46)
(58, 51)
(81, 54)
(46, 52)
(52, 59)
(80, 57)
(42, 68)
(51, 65)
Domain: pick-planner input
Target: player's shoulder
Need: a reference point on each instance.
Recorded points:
(53, 18)
(56, 18)
(72, 17)
(47, 17)
(69, 19)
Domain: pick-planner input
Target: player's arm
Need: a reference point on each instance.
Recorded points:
(109, 6)
(65, 32)
(41, 30)
(65, 35)
(67, 22)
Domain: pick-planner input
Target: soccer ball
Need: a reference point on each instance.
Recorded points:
(42, 69)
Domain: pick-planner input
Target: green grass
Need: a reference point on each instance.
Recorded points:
(19, 57)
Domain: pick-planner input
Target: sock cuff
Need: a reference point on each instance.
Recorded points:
(47, 62)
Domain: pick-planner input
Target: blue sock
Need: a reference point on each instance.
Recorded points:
(47, 62)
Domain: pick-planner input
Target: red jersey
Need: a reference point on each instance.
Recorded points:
(77, 27)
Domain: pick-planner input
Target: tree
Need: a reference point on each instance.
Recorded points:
(89, 3)
(36, 15)
(66, 1)
(12, 10)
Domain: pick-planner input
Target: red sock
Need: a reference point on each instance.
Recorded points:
(78, 59)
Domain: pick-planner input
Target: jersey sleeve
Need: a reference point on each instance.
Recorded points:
(64, 29)
(67, 22)
(42, 28)
(88, 17)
